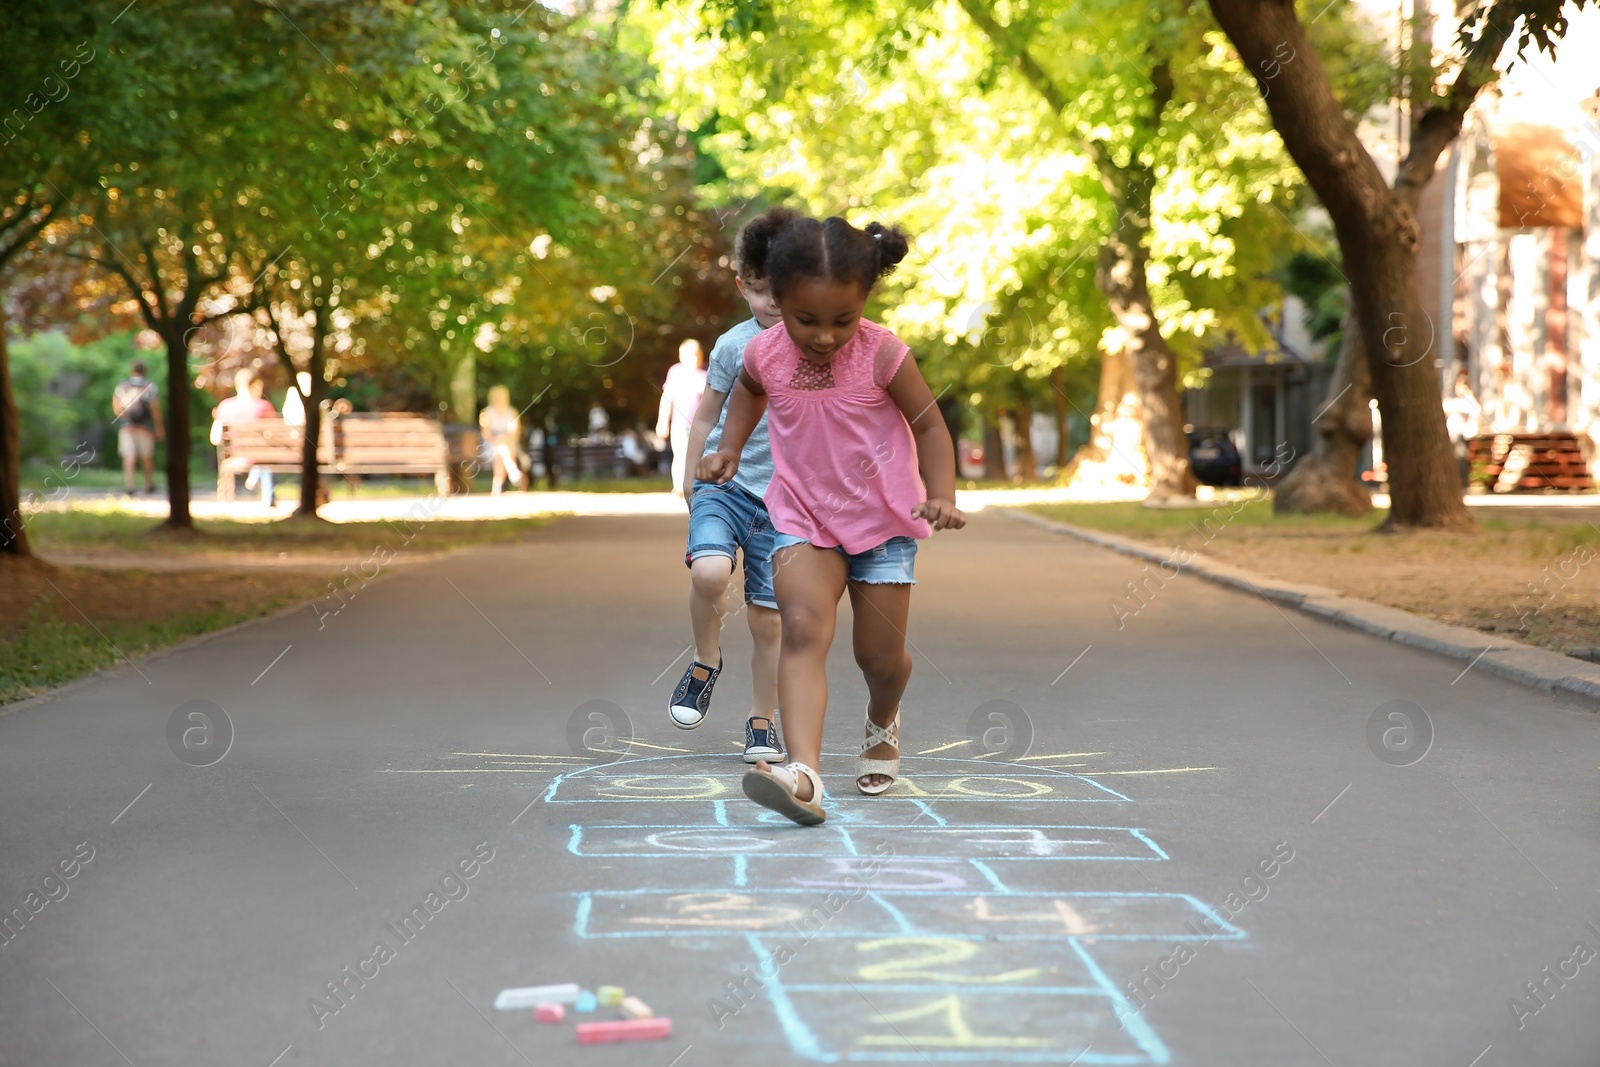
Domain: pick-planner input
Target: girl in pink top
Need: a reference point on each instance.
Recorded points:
(863, 469)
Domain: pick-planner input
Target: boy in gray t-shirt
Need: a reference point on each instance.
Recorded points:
(725, 520)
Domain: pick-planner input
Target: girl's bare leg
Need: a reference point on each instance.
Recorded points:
(809, 582)
(880, 646)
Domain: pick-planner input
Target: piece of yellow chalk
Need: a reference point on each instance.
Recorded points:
(634, 1008)
(610, 995)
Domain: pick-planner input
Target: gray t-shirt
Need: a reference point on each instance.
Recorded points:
(727, 360)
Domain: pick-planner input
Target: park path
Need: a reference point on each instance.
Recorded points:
(1169, 842)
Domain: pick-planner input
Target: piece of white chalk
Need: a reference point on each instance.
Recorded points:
(531, 996)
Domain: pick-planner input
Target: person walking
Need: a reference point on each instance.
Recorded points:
(680, 398)
(136, 403)
(501, 426)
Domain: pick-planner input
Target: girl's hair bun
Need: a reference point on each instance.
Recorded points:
(835, 250)
(893, 244)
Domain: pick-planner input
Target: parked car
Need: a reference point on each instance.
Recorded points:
(1214, 458)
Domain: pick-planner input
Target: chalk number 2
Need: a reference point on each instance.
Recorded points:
(928, 953)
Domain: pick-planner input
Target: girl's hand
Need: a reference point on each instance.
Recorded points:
(941, 514)
(716, 467)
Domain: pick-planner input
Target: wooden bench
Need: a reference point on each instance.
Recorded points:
(348, 445)
(390, 443)
(1528, 462)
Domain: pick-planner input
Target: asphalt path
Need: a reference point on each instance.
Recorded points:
(1209, 831)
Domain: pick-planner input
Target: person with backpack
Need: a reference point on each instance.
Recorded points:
(137, 406)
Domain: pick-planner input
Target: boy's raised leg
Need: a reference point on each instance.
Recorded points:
(708, 603)
(709, 577)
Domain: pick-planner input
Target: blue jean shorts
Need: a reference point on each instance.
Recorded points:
(724, 519)
(891, 563)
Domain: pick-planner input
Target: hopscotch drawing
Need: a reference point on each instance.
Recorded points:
(955, 933)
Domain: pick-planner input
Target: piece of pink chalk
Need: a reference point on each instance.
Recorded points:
(624, 1030)
(549, 1013)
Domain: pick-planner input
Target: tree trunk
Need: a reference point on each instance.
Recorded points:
(177, 428)
(994, 448)
(547, 449)
(310, 477)
(13, 532)
(1027, 463)
(1378, 237)
(1327, 479)
(1063, 437)
(310, 445)
(1120, 275)
(1114, 455)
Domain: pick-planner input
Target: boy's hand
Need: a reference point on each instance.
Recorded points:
(716, 467)
(941, 514)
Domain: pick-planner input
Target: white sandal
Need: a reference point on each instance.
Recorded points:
(889, 768)
(777, 788)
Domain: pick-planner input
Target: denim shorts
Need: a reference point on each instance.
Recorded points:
(891, 563)
(723, 519)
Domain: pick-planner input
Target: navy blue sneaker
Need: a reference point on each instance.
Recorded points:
(692, 699)
(762, 742)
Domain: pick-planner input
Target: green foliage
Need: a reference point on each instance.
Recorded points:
(1321, 286)
(47, 418)
(918, 116)
(1486, 26)
(67, 389)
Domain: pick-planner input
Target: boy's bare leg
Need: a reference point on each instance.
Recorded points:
(708, 603)
(766, 632)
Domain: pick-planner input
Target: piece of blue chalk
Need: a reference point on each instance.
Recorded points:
(586, 1001)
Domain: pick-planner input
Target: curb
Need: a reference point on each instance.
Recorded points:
(1512, 660)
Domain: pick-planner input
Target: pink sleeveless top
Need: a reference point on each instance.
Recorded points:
(844, 461)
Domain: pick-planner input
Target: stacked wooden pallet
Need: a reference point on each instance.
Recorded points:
(1529, 462)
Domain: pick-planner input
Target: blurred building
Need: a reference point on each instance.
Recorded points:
(1264, 399)
(1509, 269)
(1510, 263)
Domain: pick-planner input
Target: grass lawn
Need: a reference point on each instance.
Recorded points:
(86, 528)
(338, 489)
(58, 623)
(81, 620)
(1529, 575)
